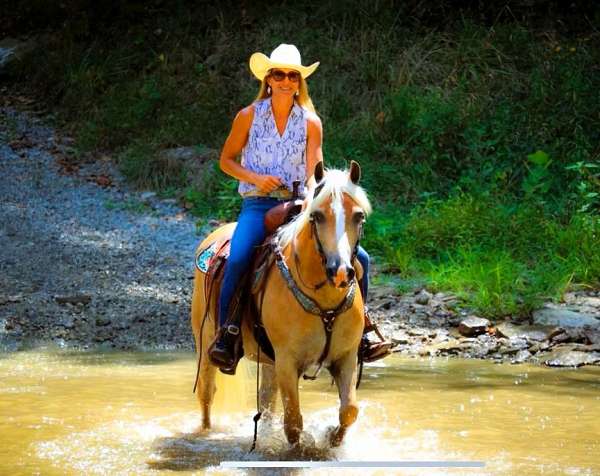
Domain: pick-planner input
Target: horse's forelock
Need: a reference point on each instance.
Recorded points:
(334, 184)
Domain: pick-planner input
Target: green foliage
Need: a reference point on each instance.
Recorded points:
(144, 167)
(478, 140)
(587, 185)
(215, 196)
(501, 258)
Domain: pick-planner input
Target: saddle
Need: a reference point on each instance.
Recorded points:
(211, 261)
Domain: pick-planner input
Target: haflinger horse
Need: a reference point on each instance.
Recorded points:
(317, 246)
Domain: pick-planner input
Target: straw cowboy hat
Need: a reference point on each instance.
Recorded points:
(284, 56)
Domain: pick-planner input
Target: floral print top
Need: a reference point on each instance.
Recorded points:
(268, 153)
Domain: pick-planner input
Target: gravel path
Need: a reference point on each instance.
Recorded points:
(82, 264)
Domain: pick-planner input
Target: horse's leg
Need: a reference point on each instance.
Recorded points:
(287, 380)
(268, 390)
(344, 372)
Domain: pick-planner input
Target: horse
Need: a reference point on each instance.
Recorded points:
(317, 248)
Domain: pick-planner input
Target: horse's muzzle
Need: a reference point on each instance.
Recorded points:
(340, 276)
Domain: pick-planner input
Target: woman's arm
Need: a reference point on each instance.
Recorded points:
(235, 142)
(314, 144)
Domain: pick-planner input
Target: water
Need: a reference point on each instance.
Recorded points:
(134, 413)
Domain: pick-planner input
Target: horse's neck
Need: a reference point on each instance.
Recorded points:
(308, 271)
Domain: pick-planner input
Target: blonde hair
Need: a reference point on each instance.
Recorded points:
(303, 99)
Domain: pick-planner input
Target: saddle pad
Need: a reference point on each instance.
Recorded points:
(205, 256)
(209, 255)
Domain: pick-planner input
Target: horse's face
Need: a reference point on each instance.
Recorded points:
(337, 225)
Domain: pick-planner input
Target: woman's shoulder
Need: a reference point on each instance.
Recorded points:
(245, 116)
(312, 119)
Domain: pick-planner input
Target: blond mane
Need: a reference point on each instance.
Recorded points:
(335, 183)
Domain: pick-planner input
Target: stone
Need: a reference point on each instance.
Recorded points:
(102, 321)
(452, 346)
(73, 299)
(531, 332)
(423, 297)
(10, 299)
(521, 356)
(12, 50)
(199, 154)
(552, 315)
(592, 335)
(569, 358)
(147, 196)
(473, 326)
(400, 337)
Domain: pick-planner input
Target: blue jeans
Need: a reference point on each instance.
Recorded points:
(248, 234)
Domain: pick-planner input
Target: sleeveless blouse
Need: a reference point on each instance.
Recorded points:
(268, 153)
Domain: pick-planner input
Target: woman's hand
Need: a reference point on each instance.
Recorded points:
(267, 183)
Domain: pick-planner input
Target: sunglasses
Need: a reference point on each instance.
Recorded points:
(278, 75)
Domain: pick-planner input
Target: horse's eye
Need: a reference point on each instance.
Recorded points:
(359, 217)
(317, 217)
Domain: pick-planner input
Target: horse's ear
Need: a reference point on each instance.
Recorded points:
(319, 171)
(354, 172)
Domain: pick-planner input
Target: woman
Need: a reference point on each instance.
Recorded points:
(279, 137)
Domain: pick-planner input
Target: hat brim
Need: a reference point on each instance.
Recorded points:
(260, 64)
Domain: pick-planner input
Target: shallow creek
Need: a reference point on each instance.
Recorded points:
(65, 412)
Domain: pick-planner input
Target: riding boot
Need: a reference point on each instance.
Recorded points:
(225, 350)
(372, 351)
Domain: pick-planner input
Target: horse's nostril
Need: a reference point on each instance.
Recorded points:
(330, 272)
(351, 274)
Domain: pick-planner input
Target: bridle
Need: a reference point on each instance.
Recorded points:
(309, 305)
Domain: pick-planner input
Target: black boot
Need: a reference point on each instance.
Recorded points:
(222, 352)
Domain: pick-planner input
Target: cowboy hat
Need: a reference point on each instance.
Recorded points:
(284, 56)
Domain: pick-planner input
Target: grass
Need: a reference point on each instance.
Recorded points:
(478, 139)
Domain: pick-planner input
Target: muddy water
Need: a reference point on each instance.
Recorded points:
(134, 413)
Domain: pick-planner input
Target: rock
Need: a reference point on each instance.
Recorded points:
(592, 335)
(569, 358)
(518, 343)
(67, 322)
(473, 326)
(552, 315)
(539, 346)
(147, 196)
(10, 299)
(452, 346)
(198, 154)
(560, 338)
(400, 337)
(74, 299)
(12, 50)
(423, 297)
(521, 357)
(531, 332)
(102, 321)
(386, 305)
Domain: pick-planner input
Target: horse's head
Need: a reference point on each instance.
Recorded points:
(335, 209)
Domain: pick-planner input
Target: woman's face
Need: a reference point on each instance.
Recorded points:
(284, 81)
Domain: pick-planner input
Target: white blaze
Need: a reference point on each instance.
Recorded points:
(341, 237)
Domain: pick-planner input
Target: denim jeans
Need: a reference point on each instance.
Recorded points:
(249, 233)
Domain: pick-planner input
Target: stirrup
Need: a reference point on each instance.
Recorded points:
(372, 351)
(227, 359)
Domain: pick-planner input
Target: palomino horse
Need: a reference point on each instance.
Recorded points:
(318, 246)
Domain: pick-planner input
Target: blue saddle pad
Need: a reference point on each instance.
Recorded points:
(205, 256)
